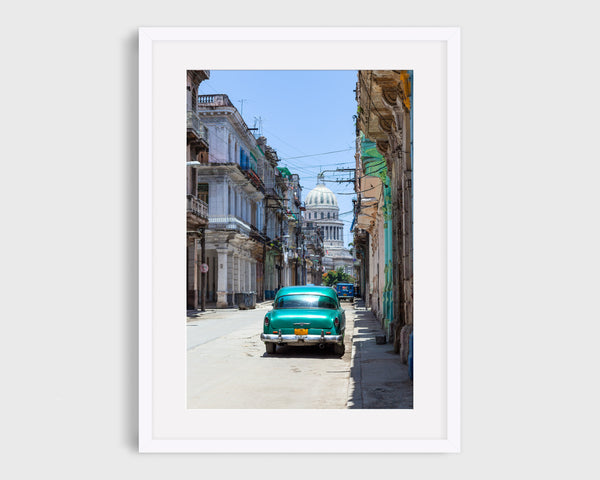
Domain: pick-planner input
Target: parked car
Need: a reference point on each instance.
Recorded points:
(308, 315)
(345, 291)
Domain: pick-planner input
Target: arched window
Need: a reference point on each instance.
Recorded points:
(328, 214)
(322, 215)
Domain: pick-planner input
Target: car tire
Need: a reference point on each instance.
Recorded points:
(270, 347)
(339, 349)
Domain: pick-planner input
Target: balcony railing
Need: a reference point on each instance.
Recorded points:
(255, 234)
(197, 207)
(254, 179)
(196, 128)
(219, 100)
(229, 222)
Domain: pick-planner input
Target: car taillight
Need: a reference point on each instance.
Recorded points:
(266, 321)
(336, 322)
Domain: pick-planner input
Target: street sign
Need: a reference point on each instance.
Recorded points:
(203, 268)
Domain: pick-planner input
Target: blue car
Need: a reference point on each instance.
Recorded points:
(345, 291)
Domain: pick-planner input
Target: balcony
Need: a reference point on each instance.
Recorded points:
(256, 235)
(229, 222)
(198, 210)
(254, 179)
(274, 198)
(196, 131)
(220, 100)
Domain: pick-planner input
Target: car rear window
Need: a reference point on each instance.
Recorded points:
(306, 301)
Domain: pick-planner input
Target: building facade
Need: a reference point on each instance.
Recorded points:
(275, 226)
(294, 266)
(197, 209)
(229, 182)
(246, 248)
(383, 230)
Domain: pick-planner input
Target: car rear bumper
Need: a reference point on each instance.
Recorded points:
(302, 339)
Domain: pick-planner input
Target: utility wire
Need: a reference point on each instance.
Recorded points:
(327, 165)
(362, 191)
(317, 154)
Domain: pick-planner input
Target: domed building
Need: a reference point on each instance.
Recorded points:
(322, 211)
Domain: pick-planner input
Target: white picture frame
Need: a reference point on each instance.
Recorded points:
(433, 425)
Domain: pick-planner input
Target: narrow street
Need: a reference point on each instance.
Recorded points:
(260, 219)
(227, 367)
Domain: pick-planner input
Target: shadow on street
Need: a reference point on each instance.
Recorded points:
(378, 377)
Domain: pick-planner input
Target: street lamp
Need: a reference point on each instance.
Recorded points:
(194, 163)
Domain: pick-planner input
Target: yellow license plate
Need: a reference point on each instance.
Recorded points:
(301, 331)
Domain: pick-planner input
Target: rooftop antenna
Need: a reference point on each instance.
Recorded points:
(242, 102)
(259, 121)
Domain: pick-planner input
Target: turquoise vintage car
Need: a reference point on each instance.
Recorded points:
(309, 315)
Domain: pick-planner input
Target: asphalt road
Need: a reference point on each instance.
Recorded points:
(227, 366)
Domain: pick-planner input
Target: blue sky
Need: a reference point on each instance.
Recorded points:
(302, 114)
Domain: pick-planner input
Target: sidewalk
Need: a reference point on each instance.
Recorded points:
(211, 309)
(378, 379)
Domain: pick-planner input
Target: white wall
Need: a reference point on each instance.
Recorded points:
(69, 245)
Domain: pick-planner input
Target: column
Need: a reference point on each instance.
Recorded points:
(221, 272)
(192, 290)
(203, 276)
(236, 274)
(248, 283)
(230, 266)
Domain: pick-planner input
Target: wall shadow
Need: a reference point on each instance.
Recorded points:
(379, 377)
(130, 229)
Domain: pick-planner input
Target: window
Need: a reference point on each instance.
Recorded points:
(306, 301)
(328, 214)
(203, 192)
(322, 215)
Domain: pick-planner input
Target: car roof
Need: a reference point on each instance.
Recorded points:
(308, 289)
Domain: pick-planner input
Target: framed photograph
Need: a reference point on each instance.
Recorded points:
(419, 68)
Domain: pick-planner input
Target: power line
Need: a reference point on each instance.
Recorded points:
(317, 154)
(326, 165)
(270, 132)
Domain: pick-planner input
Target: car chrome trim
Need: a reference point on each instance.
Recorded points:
(302, 339)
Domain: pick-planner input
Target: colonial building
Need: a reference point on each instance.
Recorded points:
(293, 262)
(197, 210)
(313, 254)
(244, 192)
(384, 208)
(275, 226)
(372, 241)
(230, 184)
(322, 211)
